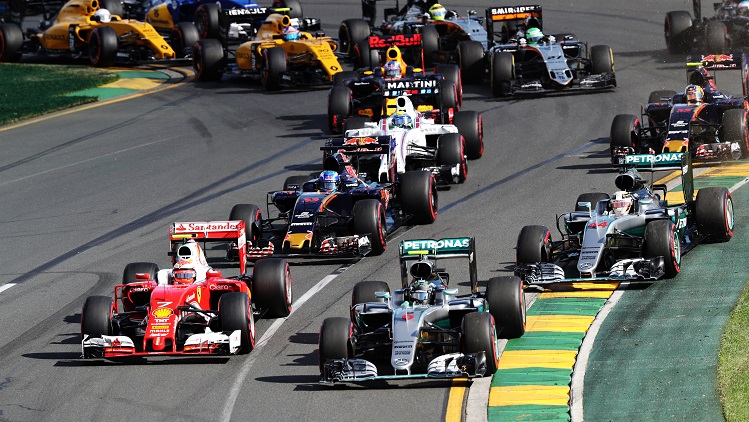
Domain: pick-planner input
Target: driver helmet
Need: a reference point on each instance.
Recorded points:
(328, 181)
(290, 33)
(392, 69)
(402, 121)
(621, 203)
(420, 291)
(437, 12)
(743, 8)
(694, 93)
(102, 15)
(533, 35)
(183, 272)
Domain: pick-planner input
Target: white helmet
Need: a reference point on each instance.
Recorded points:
(743, 8)
(102, 15)
(621, 203)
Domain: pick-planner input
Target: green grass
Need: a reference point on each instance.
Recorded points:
(733, 363)
(28, 90)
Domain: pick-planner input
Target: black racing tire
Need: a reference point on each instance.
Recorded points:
(96, 316)
(507, 305)
(207, 20)
(675, 30)
(113, 6)
(339, 78)
(451, 151)
(296, 7)
(533, 245)
(11, 41)
(601, 59)
(448, 98)
(471, 61)
(624, 131)
(335, 340)
(274, 66)
(339, 104)
(355, 122)
(659, 95)
(470, 124)
(253, 220)
(235, 313)
(502, 73)
(350, 33)
(451, 73)
(208, 59)
(661, 239)
(133, 268)
(419, 196)
(102, 46)
(716, 37)
(734, 129)
(184, 36)
(365, 57)
(272, 286)
(295, 180)
(369, 218)
(478, 334)
(364, 291)
(592, 197)
(430, 43)
(714, 213)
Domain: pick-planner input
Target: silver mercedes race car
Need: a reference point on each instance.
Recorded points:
(636, 235)
(425, 329)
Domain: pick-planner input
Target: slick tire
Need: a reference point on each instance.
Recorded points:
(716, 37)
(369, 218)
(714, 213)
(365, 57)
(11, 41)
(208, 59)
(451, 152)
(601, 60)
(502, 73)
(660, 95)
(507, 305)
(734, 129)
(207, 20)
(430, 43)
(676, 28)
(350, 33)
(478, 334)
(296, 7)
(274, 66)
(295, 181)
(624, 130)
(102, 46)
(334, 341)
(184, 35)
(448, 101)
(592, 197)
(355, 122)
(272, 286)
(339, 78)
(364, 291)
(451, 73)
(234, 314)
(470, 124)
(419, 196)
(533, 245)
(252, 217)
(339, 104)
(471, 61)
(96, 317)
(661, 239)
(130, 271)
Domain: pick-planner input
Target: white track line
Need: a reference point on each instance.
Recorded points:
(247, 365)
(7, 286)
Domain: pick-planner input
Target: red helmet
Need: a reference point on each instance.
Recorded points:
(183, 273)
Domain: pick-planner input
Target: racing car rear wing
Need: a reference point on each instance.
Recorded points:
(358, 145)
(210, 231)
(409, 48)
(514, 16)
(452, 247)
(669, 161)
(256, 16)
(720, 62)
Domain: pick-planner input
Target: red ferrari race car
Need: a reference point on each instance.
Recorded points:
(189, 309)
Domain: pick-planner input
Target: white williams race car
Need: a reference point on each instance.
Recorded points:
(417, 142)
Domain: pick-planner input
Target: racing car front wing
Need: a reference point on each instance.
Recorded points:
(602, 82)
(626, 269)
(196, 344)
(453, 365)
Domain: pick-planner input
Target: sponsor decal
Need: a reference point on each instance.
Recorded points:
(457, 243)
(139, 289)
(402, 352)
(190, 298)
(56, 37)
(220, 287)
(162, 313)
(309, 223)
(199, 293)
(407, 316)
(415, 84)
(665, 158)
(680, 123)
(593, 225)
(360, 141)
(246, 12)
(303, 214)
(515, 9)
(401, 361)
(161, 320)
(399, 40)
(159, 327)
(202, 227)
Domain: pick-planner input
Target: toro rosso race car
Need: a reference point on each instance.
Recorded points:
(370, 94)
(87, 28)
(728, 30)
(425, 329)
(420, 143)
(702, 121)
(522, 60)
(636, 235)
(189, 309)
(304, 60)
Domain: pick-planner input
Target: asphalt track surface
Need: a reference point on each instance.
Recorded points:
(85, 193)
